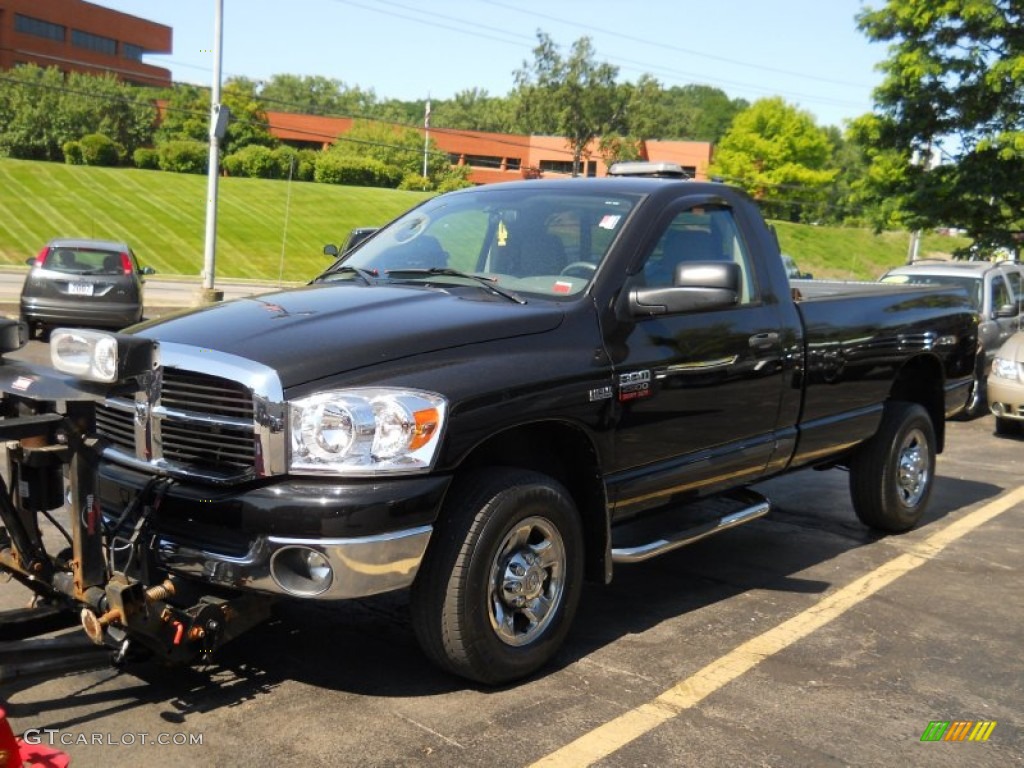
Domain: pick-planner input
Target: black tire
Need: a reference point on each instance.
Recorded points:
(892, 474)
(1007, 427)
(492, 526)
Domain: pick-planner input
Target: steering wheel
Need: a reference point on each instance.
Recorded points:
(583, 269)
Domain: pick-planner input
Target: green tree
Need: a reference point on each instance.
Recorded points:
(248, 124)
(395, 147)
(779, 155)
(474, 110)
(185, 114)
(316, 95)
(575, 96)
(41, 110)
(703, 113)
(954, 83)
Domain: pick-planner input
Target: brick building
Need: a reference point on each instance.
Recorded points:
(495, 156)
(76, 36)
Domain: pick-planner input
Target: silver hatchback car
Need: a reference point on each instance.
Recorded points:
(83, 282)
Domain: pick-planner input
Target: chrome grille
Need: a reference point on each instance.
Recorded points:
(117, 426)
(185, 422)
(200, 393)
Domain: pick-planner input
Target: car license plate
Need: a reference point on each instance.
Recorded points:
(80, 289)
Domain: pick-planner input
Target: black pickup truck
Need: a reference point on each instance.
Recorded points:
(504, 392)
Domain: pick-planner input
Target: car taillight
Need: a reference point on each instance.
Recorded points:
(126, 263)
(41, 256)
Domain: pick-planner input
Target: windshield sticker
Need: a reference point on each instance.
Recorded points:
(610, 221)
(22, 383)
(562, 287)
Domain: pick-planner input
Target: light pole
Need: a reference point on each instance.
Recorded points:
(218, 124)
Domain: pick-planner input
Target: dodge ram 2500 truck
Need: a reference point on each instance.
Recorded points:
(504, 392)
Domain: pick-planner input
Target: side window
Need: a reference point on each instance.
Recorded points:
(700, 234)
(1000, 293)
(1014, 278)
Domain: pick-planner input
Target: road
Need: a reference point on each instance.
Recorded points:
(799, 639)
(159, 291)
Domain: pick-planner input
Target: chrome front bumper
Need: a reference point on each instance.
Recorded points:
(359, 567)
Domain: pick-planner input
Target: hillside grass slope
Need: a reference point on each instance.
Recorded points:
(276, 230)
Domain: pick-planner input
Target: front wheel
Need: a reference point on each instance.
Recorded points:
(892, 474)
(501, 579)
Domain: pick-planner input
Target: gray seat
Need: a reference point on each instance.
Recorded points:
(530, 252)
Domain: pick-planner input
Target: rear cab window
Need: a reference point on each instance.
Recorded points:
(87, 261)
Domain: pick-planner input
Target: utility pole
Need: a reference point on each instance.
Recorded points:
(426, 135)
(218, 124)
(923, 159)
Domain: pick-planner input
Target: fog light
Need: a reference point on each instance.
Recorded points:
(998, 409)
(301, 571)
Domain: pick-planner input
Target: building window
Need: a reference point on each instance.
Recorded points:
(29, 26)
(133, 52)
(93, 42)
(513, 163)
(556, 166)
(483, 161)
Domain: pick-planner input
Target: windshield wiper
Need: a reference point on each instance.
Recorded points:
(365, 275)
(486, 282)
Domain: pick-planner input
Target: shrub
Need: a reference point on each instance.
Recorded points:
(456, 178)
(99, 149)
(147, 158)
(306, 166)
(286, 162)
(254, 161)
(358, 172)
(415, 181)
(72, 153)
(183, 156)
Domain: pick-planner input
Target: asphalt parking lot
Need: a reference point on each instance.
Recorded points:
(800, 639)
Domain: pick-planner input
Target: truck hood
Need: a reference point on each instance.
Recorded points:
(320, 330)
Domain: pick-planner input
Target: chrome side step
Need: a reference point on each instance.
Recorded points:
(751, 507)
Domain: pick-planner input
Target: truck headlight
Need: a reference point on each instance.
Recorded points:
(99, 356)
(366, 431)
(1005, 369)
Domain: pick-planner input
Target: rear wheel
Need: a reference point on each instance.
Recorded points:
(501, 580)
(892, 474)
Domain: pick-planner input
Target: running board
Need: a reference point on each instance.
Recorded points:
(705, 519)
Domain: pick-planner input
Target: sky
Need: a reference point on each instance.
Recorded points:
(809, 52)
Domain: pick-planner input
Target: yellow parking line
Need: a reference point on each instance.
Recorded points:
(606, 739)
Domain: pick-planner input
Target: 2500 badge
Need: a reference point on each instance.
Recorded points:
(634, 385)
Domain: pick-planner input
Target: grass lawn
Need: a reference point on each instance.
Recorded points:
(261, 233)
(273, 230)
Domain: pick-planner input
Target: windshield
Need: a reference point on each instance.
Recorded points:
(971, 284)
(524, 240)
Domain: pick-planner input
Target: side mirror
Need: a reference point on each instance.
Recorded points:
(1008, 310)
(699, 286)
(147, 271)
(331, 250)
(31, 262)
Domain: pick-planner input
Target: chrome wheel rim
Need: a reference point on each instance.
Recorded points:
(913, 470)
(527, 581)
